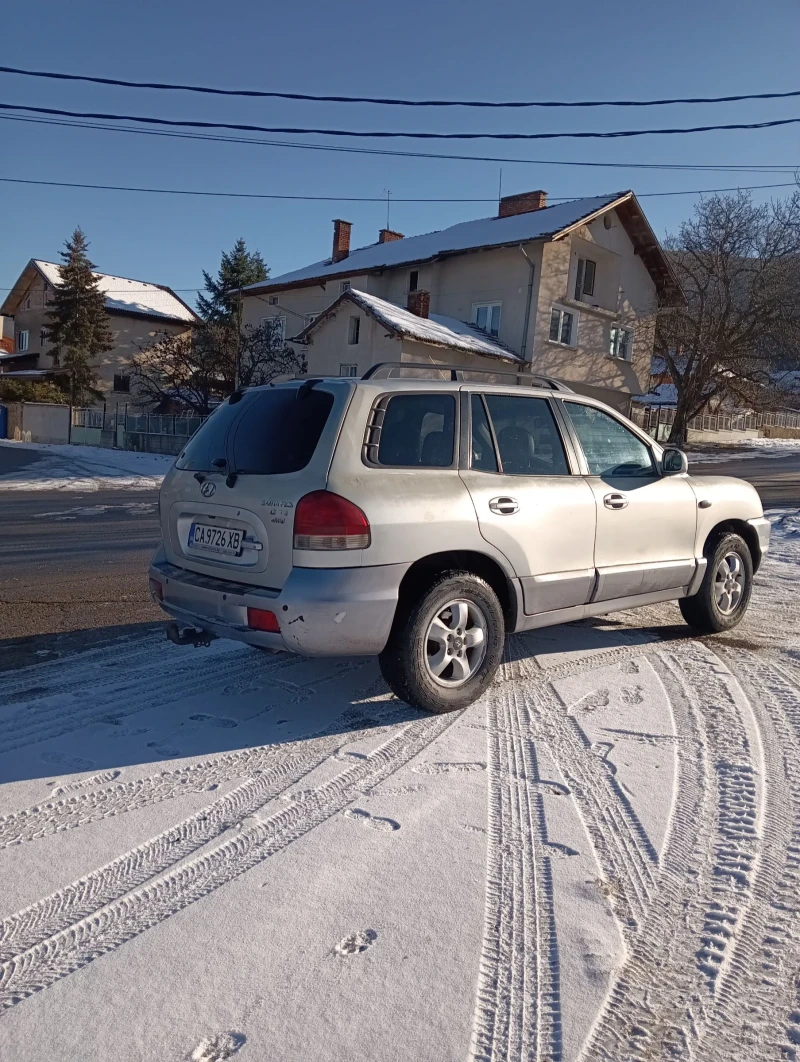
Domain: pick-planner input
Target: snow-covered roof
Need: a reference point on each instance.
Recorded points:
(436, 330)
(129, 296)
(467, 235)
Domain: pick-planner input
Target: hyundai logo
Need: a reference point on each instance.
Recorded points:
(208, 488)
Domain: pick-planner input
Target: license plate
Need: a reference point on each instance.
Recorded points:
(227, 540)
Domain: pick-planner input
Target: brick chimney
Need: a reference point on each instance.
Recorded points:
(388, 236)
(419, 302)
(523, 203)
(341, 239)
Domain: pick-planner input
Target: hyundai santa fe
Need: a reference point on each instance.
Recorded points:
(421, 513)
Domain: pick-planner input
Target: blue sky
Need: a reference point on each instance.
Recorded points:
(444, 49)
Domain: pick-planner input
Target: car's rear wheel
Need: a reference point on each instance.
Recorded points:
(446, 643)
(724, 593)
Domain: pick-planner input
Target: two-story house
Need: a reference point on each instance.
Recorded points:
(568, 290)
(137, 313)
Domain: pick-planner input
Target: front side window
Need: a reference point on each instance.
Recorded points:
(22, 340)
(621, 343)
(486, 315)
(354, 331)
(528, 440)
(348, 370)
(418, 431)
(584, 278)
(563, 327)
(610, 448)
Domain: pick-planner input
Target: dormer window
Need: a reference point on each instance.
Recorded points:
(486, 315)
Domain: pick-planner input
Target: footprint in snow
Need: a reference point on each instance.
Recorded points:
(214, 720)
(448, 768)
(69, 763)
(629, 667)
(592, 701)
(373, 822)
(163, 750)
(356, 943)
(218, 1048)
(631, 695)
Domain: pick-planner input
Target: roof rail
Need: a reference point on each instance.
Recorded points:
(384, 370)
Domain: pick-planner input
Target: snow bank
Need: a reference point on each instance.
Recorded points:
(741, 451)
(85, 468)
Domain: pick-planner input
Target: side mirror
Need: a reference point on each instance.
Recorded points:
(674, 462)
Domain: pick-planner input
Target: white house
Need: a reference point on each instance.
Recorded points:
(568, 290)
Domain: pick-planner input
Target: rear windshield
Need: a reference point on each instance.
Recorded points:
(265, 433)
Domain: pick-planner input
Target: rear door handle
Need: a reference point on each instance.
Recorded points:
(615, 501)
(504, 506)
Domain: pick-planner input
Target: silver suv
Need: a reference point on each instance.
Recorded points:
(420, 519)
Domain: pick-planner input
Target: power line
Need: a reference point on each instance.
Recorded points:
(353, 198)
(401, 134)
(390, 101)
(349, 149)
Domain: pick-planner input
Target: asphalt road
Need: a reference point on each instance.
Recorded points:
(777, 479)
(73, 567)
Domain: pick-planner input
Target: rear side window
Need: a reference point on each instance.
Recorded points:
(527, 436)
(415, 431)
(266, 433)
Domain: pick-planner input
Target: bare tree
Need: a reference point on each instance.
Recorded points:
(739, 266)
(204, 365)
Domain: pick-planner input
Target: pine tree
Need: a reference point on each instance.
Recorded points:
(77, 322)
(238, 268)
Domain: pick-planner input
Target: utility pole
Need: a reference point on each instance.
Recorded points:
(388, 203)
(237, 353)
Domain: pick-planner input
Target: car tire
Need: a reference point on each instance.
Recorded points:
(724, 594)
(446, 643)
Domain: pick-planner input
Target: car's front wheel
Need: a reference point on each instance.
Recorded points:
(446, 644)
(724, 593)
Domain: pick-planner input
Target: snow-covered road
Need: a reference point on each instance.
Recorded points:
(216, 853)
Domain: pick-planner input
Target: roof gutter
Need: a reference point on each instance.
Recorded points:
(528, 300)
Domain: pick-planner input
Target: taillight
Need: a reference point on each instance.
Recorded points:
(261, 619)
(323, 520)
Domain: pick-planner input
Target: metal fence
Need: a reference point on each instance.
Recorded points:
(111, 420)
(658, 420)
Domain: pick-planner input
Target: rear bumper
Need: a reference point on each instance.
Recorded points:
(320, 611)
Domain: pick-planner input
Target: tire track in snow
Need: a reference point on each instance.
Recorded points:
(744, 1016)
(689, 947)
(42, 919)
(121, 920)
(517, 1008)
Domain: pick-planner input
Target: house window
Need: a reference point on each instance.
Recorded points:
(122, 383)
(276, 327)
(344, 285)
(584, 278)
(22, 340)
(348, 370)
(562, 327)
(273, 300)
(621, 343)
(27, 304)
(486, 315)
(354, 331)
(413, 280)
(43, 337)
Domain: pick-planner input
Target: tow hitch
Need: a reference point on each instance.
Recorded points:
(189, 635)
